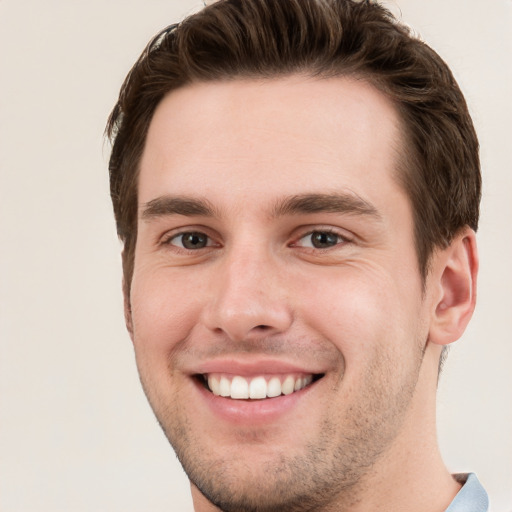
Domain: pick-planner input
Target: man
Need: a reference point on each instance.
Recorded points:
(297, 186)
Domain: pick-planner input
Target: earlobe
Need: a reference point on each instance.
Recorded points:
(456, 272)
(127, 309)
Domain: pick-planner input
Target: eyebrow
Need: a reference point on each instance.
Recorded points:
(176, 205)
(347, 203)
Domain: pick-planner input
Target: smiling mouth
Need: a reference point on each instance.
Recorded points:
(259, 387)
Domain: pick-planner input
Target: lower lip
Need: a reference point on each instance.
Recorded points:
(253, 412)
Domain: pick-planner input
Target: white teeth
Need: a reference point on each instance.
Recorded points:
(274, 387)
(224, 387)
(288, 386)
(213, 383)
(256, 388)
(239, 388)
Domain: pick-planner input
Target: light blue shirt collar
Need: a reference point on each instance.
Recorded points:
(471, 498)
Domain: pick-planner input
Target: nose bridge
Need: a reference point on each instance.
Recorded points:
(248, 298)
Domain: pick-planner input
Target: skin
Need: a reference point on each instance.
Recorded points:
(354, 312)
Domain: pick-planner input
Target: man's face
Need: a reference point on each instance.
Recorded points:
(275, 256)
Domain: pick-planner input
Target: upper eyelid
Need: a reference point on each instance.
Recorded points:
(167, 237)
(170, 233)
(296, 235)
(342, 233)
(342, 239)
(165, 242)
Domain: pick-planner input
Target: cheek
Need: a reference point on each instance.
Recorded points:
(164, 310)
(361, 310)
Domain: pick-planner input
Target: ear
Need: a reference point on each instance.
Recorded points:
(454, 270)
(127, 309)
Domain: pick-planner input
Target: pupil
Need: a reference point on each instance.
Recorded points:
(321, 240)
(194, 240)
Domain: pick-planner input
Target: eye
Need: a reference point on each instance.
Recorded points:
(321, 240)
(190, 240)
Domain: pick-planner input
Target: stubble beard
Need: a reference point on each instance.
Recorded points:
(332, 469)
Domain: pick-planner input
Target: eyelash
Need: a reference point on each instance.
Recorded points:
(168, 239)
(341, 239)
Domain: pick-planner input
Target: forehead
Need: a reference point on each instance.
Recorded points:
(262, 138)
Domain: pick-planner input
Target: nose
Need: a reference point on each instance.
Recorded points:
(248, 298)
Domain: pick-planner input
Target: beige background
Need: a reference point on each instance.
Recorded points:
(76, 433)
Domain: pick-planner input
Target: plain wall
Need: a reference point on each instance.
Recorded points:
(76, 433)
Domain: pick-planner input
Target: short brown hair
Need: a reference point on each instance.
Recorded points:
(231, 39)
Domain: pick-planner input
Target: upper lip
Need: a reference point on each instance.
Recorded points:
(252, 367)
